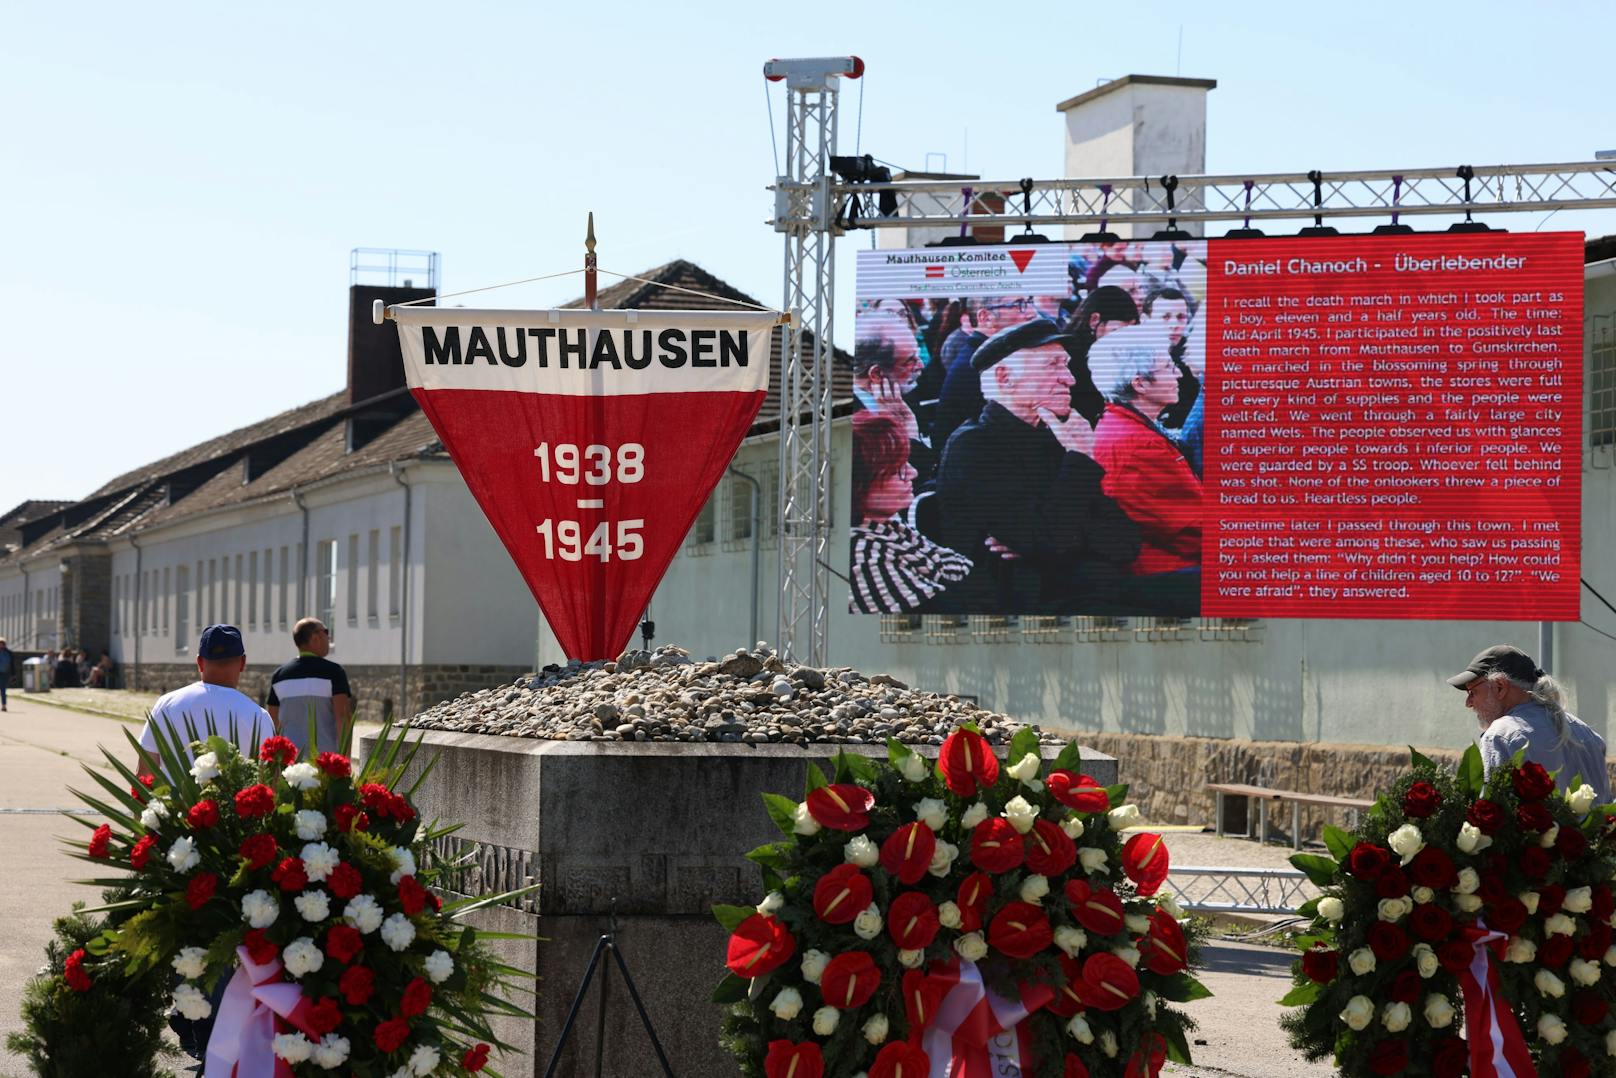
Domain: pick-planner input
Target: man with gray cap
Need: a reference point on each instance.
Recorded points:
(1518, 707)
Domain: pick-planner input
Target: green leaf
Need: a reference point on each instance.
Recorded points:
(1310, 908)
(1321, 870)
(770, 855)
(861, 767)
(1302, 995)
(816, 779)
(1070, 759)
(731, 916)
(1471, 773)
(783, 811)
(1025, 741)
(897, 752)
(1417, 759)
(1178, 1049)
(1118, 794)
(1182, 988)
(1338, 842)
(731, 989)
(1515, 761)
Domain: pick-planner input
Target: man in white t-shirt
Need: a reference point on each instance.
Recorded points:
(220, 659)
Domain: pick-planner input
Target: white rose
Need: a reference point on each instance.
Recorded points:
(1170, 904)
(911, 959)
(1093, 860)
(302, 956)
(787, 1004)
(942, 859)
(1150, 1001)
(292, 1047)
(313, 905)
(1071, 940)
(1128, 953)
(813, 965)
(301, 776)
(1396, 1017)
(931, 812)
(1578, 900)
(1025, 768)
(397, 932)
(1136, 923)
(319, 860)
(1439, 1012)
(1391, 909)
(1073, 826)
(331, 1052)
(259, 909)
(974, 815)
(860, 851)
(1467, 903)
(1529, 899)
(913, 768)
(190, 1002)
(1108, 1043)
(1422, 895)
(825, 1020)
(1361, 961)
(867, 925)
(1520, 950)
(1469, 882)
(1549, 836)
(1406, 841)
(182, 856)
(153, 815)
(1584, 973)
(403, 864)
(206, 767)
(1559, 925)
(1548, 984)
(1021, 813)
(772, 903)
(1078, 1027)
(1331, 909)
(1123, 817)
(1471, 839)
(1582, 799)
(1034, 888)
(1551, 1029)
(948, 915)
(805, 823)
(439, 966)
(309, 824)
(190, 963)
(364, 913)
(876, 1028)
(1425, 960)
(424, 1060)
(1358, 1013)
(971, 947)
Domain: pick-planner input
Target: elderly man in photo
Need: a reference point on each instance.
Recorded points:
(1518, 707)
(1020, 493)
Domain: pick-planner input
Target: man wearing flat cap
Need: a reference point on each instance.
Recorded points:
(1019, 490)
(1518, 707)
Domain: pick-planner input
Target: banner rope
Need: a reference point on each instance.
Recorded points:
(614, 273)
(486, 288)
(696, 292)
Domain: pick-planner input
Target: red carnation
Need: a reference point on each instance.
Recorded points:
(912, 921)
(972, 900)
(1549, 900)
(259, 850)
(141, 851)
(202, 815)
(1387, 941)
(1507, 914)
(907, 852)
(1097, 909)
(344, 881)
(1367, 861)
(334, 764)
(349, 818)
(259, 948)
(758, 945)
(841, 894)
(1077, 791)
(100, 841)
(476, 1058)
(1488, 817)
(1321, 963)
(1534, 816)
(390, 1034)
(1392, 882)
(290, 874)
(411, 895)
(1163, 949)
(1020, 930)
(1108, 982)
(787, 1059)
(343, 942)
(996, 847)
(257, 800)
(398, 806)
(200, 890)
(73, 972)
(1430, 922)
(1451, 1058)
(1144, 860)
(357, 984)
(841, 807)
(1421, 801)
(1571, 843)
(1389, 1056)
(1535, 862)
(323, 1017)
(1405, 987)
(922, 996)
(849, 980)
(1434, 869)
(900, 1059)
(1555, 951)
(376, 798)
(1049, 851)
(1455, 956)
(277, 750)
(1532, 782)
(1072, 1067)
(1589, 1007)
(417, 998)
(967, 762)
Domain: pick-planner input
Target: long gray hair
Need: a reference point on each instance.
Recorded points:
(1546, 692)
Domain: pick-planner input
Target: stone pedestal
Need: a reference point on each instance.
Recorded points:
(661, 828)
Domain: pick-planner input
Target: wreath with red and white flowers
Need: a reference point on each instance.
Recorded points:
(988, 915)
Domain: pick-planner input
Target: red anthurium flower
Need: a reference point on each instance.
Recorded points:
(259, 851)
(1147, 1059)
(912, 921)
(343, 942)
(390, 1034)
(417, 998)
(1321, 963)
(922, 996)
(259, 947)
(1108, 982)
(1073, 1067)
(841, 894)
(900, 1059)
(334, 764)
(1049, 852)
(202, 815)
(759, 944)
(1144, 859)
(787, 1059)
(356, 984)
(475, 1058)
(1020, 930)
(1069, 996)
(1164, 949)
(1097, 909)
(996, 846)
(1077, 791)
(849, 980)
(324, 1016)
(842, 807)
(140, 852)
(200, 890)
(101, 841)
(254, 801)
(967, 762)
(344, 881)
(907, 852)
(277, 750)
(972, 900)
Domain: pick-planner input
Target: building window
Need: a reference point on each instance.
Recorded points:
(252, 590)
(164, 600)
(395, 571)
(325, 568)
(372, 574)
(269, 591)
(353, 579)
(286, 576)
(740, 511)
(1602, 380)
(147, 587)
(705, 530)
(235, 589)
(212, 588)
(182, 607)
(117, 597)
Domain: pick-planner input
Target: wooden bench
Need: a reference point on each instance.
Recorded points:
(1264, 796)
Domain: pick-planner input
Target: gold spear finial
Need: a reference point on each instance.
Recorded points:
(589, 237)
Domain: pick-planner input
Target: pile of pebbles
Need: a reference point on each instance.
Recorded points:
(750, 695)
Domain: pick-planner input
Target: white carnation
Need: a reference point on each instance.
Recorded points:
(974, 815)
(404, 864)
(1582, 799)
(948, 915)
(867, 925)
(190, 1002)
(913, 768)
(1123, 817)
(1396, 1017)
(313, 905)
(1071, 940)
(309, 824)
(1073, 826)
(302, 956)
(1406, 841)
(152, 817)
(942, 859)
(804, 822)
(1471, 839)
(190, 963)
(971, 947)
(876, 1028)
(1093, 860)
(439, 966)
(825, 1020)
(398, 932)
(1021, 813)
(259, 908)
(182, 856)
(860, 851)
(813, 965)
(364, 913)
(424, 1060)
(292, 1047)
(931, 812)
(1034, 888)
(1361, 961)
(787, 1004)
(319, 860)
(1578, 900)
(206, 767)
(1551, 1029)
(331, 1052)
(302, 776)
(1079, 1029)
(1025, 768)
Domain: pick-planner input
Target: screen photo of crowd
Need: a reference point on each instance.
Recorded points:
(1028, 433)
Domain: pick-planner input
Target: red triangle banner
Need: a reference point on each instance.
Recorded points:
(591, 440)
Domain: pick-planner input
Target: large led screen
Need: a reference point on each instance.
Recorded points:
(1339, 427)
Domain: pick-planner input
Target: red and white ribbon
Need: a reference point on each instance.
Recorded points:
(1497, 1049)
(242, 1044)
(975, 1032)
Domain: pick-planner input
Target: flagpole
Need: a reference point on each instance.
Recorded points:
(589, 266)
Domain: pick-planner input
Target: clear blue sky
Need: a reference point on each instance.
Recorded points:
(181, 183)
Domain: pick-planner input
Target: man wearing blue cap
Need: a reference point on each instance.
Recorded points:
(212, 704)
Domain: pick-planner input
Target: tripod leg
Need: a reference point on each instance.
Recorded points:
(600, 1016)
(577, 1002)
(645, 1019)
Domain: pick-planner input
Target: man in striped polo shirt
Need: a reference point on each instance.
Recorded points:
(313, 685)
